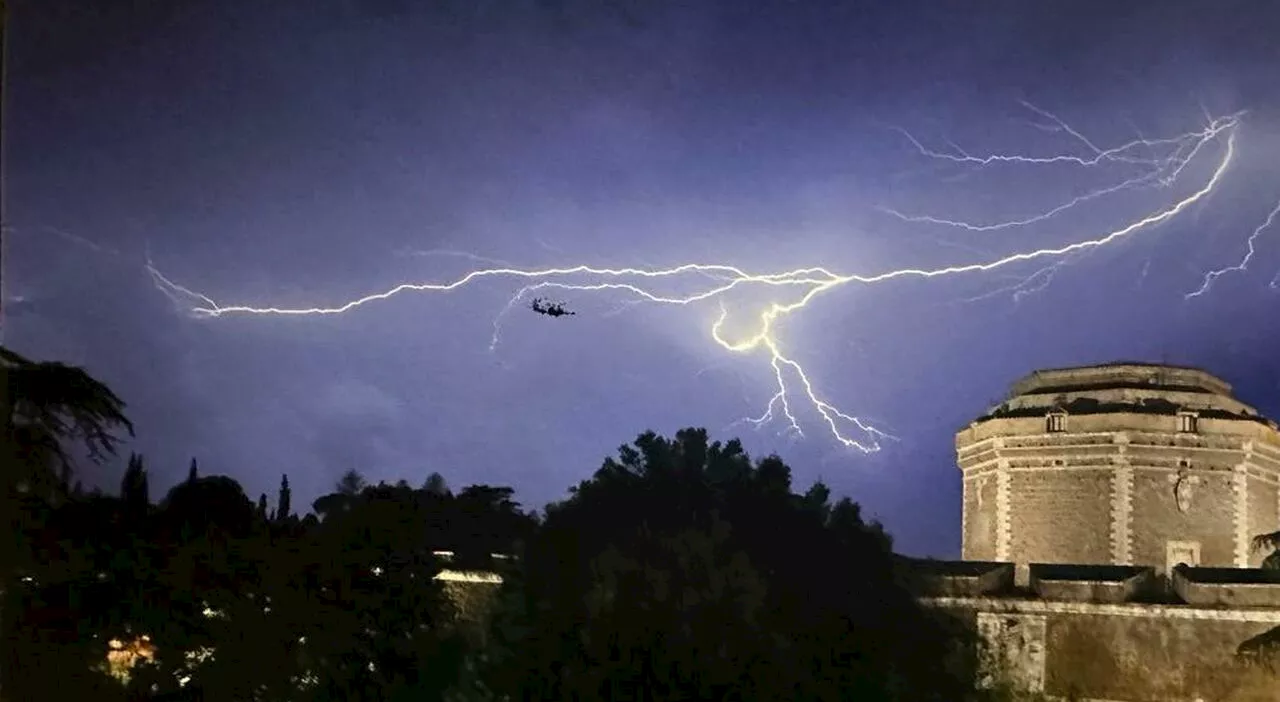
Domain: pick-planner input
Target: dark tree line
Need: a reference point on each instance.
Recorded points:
(682, 569)
(242, 602)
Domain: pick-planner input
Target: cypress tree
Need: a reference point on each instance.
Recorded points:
(134, 490)
(283, 500)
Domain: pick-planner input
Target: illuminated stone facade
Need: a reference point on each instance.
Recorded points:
(1107, 518)
(1122, 464)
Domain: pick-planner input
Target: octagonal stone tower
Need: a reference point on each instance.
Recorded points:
(1124, 463)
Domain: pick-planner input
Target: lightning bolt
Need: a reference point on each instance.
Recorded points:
(718, 282)
(1039, 279)
(1162, 170)
(1244, 261)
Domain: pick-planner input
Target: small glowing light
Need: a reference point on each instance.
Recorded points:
(377, 570)
(199, 655)
(211, 613)
(123, 657)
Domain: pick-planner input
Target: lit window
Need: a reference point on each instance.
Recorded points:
(1056, 421)
(1188, 422)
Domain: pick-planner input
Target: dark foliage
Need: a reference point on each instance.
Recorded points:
(681, 570)
(134, 491)
(45, 410)
(284, 501)
(238, 606)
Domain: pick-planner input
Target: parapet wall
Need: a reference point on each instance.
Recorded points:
(1116, 633)
(1120, 652)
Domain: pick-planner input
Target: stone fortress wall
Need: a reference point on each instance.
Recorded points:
(1107, 519)
(1112, 634)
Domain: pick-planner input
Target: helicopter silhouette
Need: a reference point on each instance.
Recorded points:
(551, 309)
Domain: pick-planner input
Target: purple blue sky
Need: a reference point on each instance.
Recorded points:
(301, 153)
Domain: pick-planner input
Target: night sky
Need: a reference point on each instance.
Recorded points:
(305, 153)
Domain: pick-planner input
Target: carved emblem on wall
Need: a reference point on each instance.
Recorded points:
(1012, 649)
(1183, 486)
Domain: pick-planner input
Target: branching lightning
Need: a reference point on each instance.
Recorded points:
(1162, 166)
(1251, 244)
(1163, 161)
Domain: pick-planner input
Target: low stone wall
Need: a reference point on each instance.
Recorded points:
(1101, 584)
(1227, 587)
(961, 578)
(1125, 652)
(474, 595)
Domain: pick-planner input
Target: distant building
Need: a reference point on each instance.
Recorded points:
(1107, 518)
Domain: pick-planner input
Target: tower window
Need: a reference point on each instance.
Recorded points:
(1188, 422)
(1056, 421)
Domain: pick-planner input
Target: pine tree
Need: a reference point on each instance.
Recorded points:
(282, 502)
(194, 473)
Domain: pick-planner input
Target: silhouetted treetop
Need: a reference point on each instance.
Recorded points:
(284, 500)
(700, 570)
(45, 405)
(134, 490)
(351, 483)
(214, 505)
(436, 485)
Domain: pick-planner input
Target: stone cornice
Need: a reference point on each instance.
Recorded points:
(1105, 424)
(469, 576)
(1149, 611)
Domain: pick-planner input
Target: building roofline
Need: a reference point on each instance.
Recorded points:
(1056, 378)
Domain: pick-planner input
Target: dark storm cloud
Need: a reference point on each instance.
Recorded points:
(299, 153)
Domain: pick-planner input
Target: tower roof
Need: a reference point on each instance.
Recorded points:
(1123, 387)
(1121, 375)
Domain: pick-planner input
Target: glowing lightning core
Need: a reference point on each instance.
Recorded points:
(719, 280)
